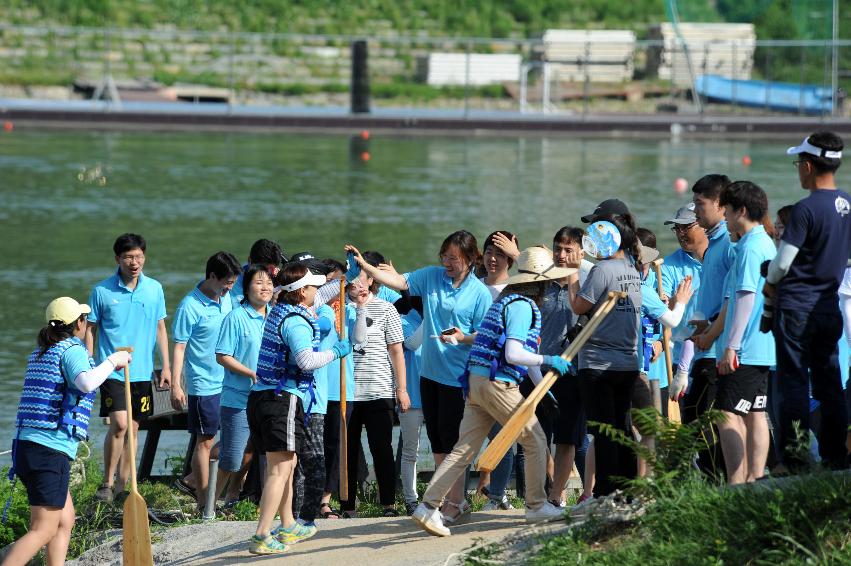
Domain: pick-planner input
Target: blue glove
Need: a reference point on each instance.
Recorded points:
(352, 268)
(558, 363)
(342, 348)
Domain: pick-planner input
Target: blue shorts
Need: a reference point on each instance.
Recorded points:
(203, 414)
(45, 473)
(234, 438)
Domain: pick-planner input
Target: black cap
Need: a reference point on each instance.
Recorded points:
(314, 265)
(607, 208)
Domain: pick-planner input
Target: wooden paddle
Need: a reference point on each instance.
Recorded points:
(137, 530)
(344, 433)
(673, 406)
(514, 426)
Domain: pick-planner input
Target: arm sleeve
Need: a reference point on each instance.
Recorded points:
(515, 354)
(161, 311)
(89, 380)
(359, 335)
(595, 285)
(744, 308)
(686, 355)
(182, 327)
(226, 343)
(534, 374)
(309, 360)
(418, 280)
(779, 266)
(327, 292)
(672, 318)
(845, 307)
(415, 339)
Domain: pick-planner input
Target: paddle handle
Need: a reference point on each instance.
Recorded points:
(131, 437)
(666, 332)
(344, 426)
(517, 422)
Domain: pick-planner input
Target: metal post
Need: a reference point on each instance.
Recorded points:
(210, 503)
(467, 81)
(586, 82)
(834, 71)
(545, 92)
(524, 80)
(801, 82)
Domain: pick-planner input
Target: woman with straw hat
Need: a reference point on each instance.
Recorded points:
(504, 351)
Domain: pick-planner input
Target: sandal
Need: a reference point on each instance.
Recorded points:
(390, 512)
(350, 514)
(331, 513)
(464, 510)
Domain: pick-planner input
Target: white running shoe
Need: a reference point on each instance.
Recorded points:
(430, 521)
(544, 513)
(498, 505)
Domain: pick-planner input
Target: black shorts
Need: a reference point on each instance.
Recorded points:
(203, 414)
(443, 409)
(45, 473)
(112, 398)
(569, 427)
(743, 391)
(276, 422)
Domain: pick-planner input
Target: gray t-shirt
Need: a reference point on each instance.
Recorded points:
(613, 346)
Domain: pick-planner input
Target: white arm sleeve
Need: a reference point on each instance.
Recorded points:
(534, 374)
(309, 360)
(686, 355)
(845, 306)
(744, 308)
(672, 318)
(359, 333)
(415, 340)
(327, 292)
(515, 354)
(779, 266)
(88, 381)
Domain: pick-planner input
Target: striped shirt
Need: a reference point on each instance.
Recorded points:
(374, 377)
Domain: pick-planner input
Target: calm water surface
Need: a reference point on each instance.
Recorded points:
(65, 196)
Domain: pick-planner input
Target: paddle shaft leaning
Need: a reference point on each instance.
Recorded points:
(514, 426)
(344, 433)
(673, 406)
(137, 530)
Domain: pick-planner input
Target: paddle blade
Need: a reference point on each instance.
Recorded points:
(137, 532)
(497, 448)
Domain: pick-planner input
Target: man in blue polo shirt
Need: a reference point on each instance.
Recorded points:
(128, 309)
(745, 354)
(685, 262)
(717, 260)
(805, 278)
(197, 322)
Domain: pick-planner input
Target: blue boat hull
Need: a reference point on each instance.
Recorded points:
(784, 97)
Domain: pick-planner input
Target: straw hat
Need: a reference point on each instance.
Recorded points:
(536, 264)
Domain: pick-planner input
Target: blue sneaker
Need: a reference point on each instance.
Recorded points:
(266, 545)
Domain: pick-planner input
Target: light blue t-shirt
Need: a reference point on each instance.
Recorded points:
(677, 267)
(518, 322)
(74, 361)
(128, 318)
(298, 334)
(716, 263)
(757, 348)
(388, 294)
(240, 337)
(197, 323)
(328, 334)
(444, 306)
(334, 367)
(413, 358)
(652, 306)
(236, 295)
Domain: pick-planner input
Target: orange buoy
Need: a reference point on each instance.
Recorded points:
(680, 185)
(364, 156)
(364, 134)
(746, 160)
(8, 126)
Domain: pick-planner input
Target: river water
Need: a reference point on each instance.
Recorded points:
(65, 196)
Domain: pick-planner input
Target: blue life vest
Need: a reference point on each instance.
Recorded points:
(650, 332)
(276, 364)
(488, 349)
(47, 400)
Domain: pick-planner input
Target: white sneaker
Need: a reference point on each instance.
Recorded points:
(498, 505)
(544, 513)
(430, 521)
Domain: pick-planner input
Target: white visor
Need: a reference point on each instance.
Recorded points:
(308, 279)
(807, 147)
